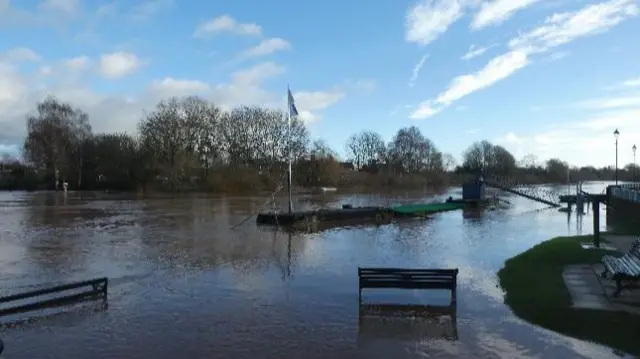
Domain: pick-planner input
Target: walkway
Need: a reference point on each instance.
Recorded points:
(590, 291)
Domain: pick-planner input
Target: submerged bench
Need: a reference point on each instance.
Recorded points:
(623, 269)
(89, 290)
(408, 279)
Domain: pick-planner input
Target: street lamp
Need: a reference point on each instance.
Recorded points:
(616, 134)
(634, 162)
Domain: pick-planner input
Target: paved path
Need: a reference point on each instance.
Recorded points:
(584, 287)
(590, 291)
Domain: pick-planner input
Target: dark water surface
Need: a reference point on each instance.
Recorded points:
(183, 284)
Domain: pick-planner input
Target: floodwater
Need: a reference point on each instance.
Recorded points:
(185, 284)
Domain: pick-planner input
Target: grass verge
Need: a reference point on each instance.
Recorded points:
(536, 292)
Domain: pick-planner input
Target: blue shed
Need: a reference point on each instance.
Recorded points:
(473, 190)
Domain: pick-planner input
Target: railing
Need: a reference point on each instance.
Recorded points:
(511, 185)
(627, 191)
(97, 290)
(635, 185)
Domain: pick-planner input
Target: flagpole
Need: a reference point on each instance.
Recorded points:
(289, 175)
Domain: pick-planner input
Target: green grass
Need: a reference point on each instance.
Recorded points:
(536, 292)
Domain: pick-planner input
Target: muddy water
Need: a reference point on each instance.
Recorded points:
(183, 284)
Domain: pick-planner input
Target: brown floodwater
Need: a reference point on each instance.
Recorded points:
(184, 283)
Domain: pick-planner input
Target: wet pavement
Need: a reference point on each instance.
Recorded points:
(184, 284)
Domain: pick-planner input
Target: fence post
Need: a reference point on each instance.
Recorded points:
(596, 222)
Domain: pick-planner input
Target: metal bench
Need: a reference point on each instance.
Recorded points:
(59, 295)
(623, 269)
(408, 279)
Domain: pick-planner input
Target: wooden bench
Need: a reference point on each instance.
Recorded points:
(97, 289)
(408, 279)
(623, 269)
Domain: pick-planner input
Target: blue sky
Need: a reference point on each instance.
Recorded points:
(552, 78)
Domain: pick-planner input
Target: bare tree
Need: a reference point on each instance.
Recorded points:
(528, 161)
(485, 157)
(366, 148)
(411, 152)
(449, 162)
(54, 138)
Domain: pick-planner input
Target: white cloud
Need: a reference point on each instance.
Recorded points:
(416, 70)
(20, 54)
(474, 52)
(590, 140)
(558, 55)
(425, 109)
(149, 8)
(258, 73)
(170, 86)
(558, 29)
(586, 142)
(226, 23)
(497, 11)
(266, 47)
(45, 70)
(512, 138)
(11, 84)
(78, 64)
(630, 83)
(611, 102)
(562, 28)
(62, 6)
(428, 19)
(119, 64)
(361, 85)
(19, 93)
(497, 69)
(308, 102)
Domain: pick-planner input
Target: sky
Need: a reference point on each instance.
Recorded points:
(552, 78)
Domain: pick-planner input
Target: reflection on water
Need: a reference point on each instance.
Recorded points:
(184, 284)
(407, 328)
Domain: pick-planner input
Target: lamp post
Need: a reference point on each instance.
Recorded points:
(634, 162)
(616, 134)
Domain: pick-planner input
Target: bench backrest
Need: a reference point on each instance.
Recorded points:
(407, 278)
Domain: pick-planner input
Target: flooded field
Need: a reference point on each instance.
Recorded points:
(184, 283)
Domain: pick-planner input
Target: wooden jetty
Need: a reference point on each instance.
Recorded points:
(55, 296)
(348, 213)
(587, 198)
(473, 195)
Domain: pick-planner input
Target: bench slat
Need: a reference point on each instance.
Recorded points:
(407, 278)
(629, 267)
(628, 264)
(401, 270)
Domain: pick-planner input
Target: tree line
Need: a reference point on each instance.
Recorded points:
(190, 144)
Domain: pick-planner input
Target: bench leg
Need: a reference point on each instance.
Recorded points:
(604, 273)
(618, 287)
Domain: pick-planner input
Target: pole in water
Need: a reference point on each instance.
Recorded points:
(289, 187)
(291, 107)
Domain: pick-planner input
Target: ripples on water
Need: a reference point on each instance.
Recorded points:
(183, 285)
